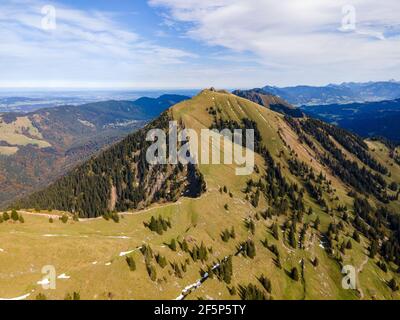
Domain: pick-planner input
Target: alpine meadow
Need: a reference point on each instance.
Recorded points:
(266, 180)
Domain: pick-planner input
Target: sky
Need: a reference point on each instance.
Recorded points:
(152, 44)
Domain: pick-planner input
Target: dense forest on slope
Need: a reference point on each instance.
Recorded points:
(38, 147)
(361, 178)
(119, 179)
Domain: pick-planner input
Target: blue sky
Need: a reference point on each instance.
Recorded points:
(196, 44)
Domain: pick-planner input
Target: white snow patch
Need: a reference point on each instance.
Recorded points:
(119, 237)
(94, 262)
(125, 253)
(63, 276)
(44, 282)
(17, 298)
(108, 264)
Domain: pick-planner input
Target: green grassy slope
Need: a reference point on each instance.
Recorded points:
(89, 250)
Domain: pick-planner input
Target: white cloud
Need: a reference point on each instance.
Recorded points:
(298, 40)
(251, 42)
(87, 48)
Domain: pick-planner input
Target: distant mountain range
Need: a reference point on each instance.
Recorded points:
(37, 147)
(337, 94)
(269, 101)
(367, 119)
(33, 100)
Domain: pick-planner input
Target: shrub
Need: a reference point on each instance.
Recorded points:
(115, 217)
(64, 218)
(14, 215)
(74, 296)
(6, 216)
(41, 296)
(393, 186)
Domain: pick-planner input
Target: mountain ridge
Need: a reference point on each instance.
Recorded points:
(270, 101)
(337, 93)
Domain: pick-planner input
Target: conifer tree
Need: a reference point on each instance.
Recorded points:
(356, 236)
(251, 249)
(294, 274)
(393, 284)
(317, 223)
(173, 245)
(292, 237)
(131, 263)
(266, 283)
(275, 231)
(161, 260)
(233, 234)
(185, 246)
(373, 249)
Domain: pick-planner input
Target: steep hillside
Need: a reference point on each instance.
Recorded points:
(119, 179)
(319, 198)
(38, 147)
(269, 101)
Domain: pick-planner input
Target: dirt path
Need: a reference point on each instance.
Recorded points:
(46, 215)
(130, 213)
